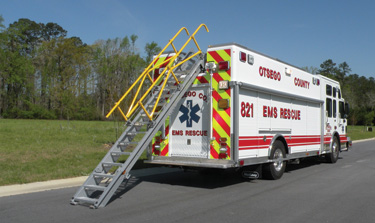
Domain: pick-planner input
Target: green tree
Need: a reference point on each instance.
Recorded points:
(133, 38)
(17, 69)
(369, 118)
(44, 74)
(1, 22)
(342, 72)
(19, 73)
(52, 31)
(151, 50)
(65, 63)
(328, 68)
(2, 68)
(116, 66)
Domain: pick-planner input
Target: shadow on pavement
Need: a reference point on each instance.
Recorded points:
(207, 179)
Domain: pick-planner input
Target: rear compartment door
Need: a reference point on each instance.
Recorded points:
(190, 124)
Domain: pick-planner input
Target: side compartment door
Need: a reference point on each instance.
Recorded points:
(249, 121)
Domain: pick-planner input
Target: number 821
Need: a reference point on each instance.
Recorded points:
(247, 109)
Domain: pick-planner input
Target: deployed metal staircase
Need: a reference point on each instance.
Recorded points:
(145, 116)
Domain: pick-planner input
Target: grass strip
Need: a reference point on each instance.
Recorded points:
(39, 150)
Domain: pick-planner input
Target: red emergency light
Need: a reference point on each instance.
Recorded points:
(224, 65)
(242, 56)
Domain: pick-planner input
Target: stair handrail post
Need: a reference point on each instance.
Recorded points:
(192, 37)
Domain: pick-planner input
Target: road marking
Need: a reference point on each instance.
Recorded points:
(360, 161)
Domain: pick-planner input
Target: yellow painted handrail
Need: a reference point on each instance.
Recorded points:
(147, 70)
(170, 67)
(150, 116)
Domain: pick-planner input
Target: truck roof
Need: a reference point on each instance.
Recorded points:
(265, 55)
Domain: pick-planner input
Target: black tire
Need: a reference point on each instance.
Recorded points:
(275, 170)
(335, 151)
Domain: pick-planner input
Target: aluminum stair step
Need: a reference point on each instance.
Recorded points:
(85, 200)
(94, 187)
(132, 133)
(126, 143)
(138, 126)
(111, 164)
(103, 175)
(120, 153)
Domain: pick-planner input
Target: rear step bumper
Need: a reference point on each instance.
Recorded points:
(192, 162)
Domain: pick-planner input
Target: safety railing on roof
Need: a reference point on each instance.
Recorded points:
(168, 70)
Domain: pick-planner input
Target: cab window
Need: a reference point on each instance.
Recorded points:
(328, 90)
(341, 109)
(334, 108)
(329, 107)
(334, 92)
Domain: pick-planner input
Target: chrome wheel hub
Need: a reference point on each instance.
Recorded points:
(278, 164)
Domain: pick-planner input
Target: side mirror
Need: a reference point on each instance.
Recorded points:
(347, 109)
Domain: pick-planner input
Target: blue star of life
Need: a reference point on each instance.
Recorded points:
(189, 113)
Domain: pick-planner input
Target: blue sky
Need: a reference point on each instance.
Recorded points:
(300, 32)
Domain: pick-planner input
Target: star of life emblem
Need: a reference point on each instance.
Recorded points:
(189, 113)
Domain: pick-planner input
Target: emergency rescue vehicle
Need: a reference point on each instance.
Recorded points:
(249, 108)
(228, 108)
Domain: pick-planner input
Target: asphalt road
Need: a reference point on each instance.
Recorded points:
(309, 192)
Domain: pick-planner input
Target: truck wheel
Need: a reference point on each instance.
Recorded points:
(335, 150)
(275, 170)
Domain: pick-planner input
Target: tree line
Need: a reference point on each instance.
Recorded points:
(46, 75)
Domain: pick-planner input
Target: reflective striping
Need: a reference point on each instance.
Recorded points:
(213, 153)
(257, 142)
(219, 55)
(221, 118)
(344, 138)
(204, 79)
(221, 125)
(327, 139)
(164, 144)
(253, 142)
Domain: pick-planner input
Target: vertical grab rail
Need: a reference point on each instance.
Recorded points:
(134, 105)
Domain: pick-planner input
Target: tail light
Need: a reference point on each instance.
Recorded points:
(157, 145)
(223, 148)
(242, 162)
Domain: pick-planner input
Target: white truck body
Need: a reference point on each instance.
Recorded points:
(266, 100)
